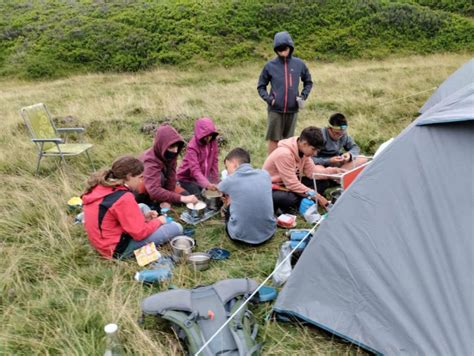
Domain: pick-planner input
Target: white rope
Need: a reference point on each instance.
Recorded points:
(310, 232)
(408, 96)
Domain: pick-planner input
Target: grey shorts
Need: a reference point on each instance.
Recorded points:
(280, 125)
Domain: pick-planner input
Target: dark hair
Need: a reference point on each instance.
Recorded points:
(239, 154)
(313, 136)
(337, 119)
(115, 176)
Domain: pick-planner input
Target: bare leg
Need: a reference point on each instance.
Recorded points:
(272, 145)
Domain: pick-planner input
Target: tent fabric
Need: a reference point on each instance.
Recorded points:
(462, 77)
(391, 267)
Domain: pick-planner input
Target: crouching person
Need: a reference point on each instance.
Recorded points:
(248, 205)
(115, 224)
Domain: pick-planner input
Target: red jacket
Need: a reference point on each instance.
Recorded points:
(156, 165)
(123, 216)
(200, 164)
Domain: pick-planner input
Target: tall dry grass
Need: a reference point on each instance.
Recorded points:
(57, 293)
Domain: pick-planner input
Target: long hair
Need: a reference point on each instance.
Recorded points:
(117, 174)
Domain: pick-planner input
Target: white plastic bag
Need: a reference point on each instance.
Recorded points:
(282, 274)
(311, 214)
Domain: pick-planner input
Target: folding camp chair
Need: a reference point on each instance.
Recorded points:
(47, 138)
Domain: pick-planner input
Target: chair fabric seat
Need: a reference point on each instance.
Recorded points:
(69, 148)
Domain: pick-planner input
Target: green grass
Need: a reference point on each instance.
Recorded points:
(56, 293)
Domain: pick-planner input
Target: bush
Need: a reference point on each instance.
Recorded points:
(51, 38)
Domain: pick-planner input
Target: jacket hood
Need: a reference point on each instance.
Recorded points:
(204, 127)
(165, 137)
(99, 193)
(283, 39)
(292, 144)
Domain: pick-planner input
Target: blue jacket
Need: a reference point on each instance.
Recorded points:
(284, 76)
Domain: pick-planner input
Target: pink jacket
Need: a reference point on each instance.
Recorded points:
(200, 163)
(160, 173)
(287, 168)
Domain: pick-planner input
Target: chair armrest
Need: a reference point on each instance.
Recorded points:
(55, 140)
(70, 129)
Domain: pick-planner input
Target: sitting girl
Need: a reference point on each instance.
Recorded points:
(115, 223)
(199, 169)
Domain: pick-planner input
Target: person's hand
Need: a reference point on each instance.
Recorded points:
(189, 199)
(322, 201)
(212, 187)
(336, 160)
(347, 157)
(162, 219)
(226, 200)
(152, 214)
(273, 102)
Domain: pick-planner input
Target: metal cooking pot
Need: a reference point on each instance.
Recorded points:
(196, 211)
(213, 199)
(182, 246)
(199, 260)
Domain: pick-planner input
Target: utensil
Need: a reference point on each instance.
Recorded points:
(212, 198)
(196, 210)
(182, 246)
(199, 260)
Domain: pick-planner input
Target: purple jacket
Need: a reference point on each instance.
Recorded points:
(160, 173)
(200, 163)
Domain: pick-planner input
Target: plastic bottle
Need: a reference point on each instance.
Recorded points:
(112, 346)
(153, 275)
(305, 204)
(165, 211)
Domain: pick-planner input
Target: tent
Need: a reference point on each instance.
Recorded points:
(391, 268)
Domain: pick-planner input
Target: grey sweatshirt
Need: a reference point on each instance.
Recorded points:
(334, 148)
(251, 206)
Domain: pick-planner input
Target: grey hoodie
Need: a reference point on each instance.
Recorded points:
(251, 204)
(334, 148)
(284, 75)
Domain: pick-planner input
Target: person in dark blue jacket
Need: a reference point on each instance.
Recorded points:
(283, 73)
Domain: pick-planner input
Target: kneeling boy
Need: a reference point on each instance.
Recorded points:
(249, 217)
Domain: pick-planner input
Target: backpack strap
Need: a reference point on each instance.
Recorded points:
(244, 328)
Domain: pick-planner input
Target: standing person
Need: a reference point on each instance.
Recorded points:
(248, 206)
(283, 73)
(200, 169)
(114, 222)
(292, 169)
(160, 168)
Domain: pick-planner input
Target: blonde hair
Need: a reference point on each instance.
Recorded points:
(117, 174)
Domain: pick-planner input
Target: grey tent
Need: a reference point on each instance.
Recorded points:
(391, 268)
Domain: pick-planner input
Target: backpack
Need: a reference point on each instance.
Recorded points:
(196, 314)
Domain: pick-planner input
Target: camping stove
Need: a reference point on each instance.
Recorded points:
(188, 219)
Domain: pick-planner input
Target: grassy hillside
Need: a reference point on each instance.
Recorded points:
(52, 38)
(56, 293)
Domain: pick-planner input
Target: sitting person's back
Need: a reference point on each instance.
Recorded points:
(249, 217)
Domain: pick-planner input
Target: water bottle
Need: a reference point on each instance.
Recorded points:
(112, 346)
(305, 204)
(165, 211)
(153, 275)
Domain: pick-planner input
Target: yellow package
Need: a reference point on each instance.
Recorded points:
(147, 254)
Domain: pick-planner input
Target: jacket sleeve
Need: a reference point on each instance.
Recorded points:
(321, 161)
(131, 219)
(287, 171)
(152, 179)
(263, 81)
(307, 82)
(192, 158)
(214, 173)
(351, 147)
(310, 168)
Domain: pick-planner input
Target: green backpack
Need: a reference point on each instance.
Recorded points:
(196, 314)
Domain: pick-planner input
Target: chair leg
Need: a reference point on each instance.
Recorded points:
(63, 160)
(90, 160)
(38, 163)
